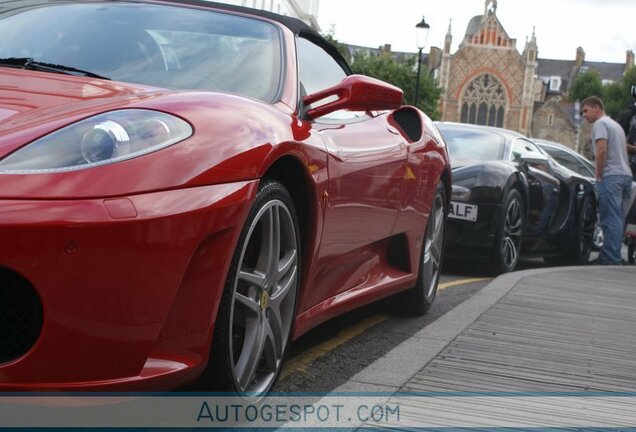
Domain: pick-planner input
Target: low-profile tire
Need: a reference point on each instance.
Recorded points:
(420, 298)
(599, 238)
(579, 253)
(507, 245)
(256, 315)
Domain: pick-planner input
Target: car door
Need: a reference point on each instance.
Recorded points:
(366, 162)
(544, 189)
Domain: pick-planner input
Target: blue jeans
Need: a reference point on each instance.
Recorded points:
(614, 193)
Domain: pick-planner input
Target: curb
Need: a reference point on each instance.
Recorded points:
(392, 371)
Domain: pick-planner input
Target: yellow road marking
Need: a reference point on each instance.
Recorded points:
(301, 362)
(459, 282)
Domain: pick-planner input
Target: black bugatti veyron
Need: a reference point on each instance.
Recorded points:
(511, 199)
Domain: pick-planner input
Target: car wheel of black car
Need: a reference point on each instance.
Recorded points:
(584, 239)
(581, 247)
(257, 310)
(421, 296)
(631, 251)
(507, 247)
(597, 242)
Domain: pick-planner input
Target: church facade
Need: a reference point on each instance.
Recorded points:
(488, 81)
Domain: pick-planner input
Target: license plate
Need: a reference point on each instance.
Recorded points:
(462, 211)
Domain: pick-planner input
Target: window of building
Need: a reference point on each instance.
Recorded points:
(555, 83)
(484, 102)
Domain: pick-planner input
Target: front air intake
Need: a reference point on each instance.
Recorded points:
(20, 316)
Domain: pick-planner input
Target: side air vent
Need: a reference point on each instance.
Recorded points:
(20, 316)
(409, 121)
(397, 253)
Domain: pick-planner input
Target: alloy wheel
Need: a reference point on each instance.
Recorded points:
(512, 230)
(586, 238)
(264, 295)
(433, 246)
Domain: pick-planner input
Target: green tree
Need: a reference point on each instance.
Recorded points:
(402, 75)
(342, 48)
(586, 84)
(617, 96)
(614, 99)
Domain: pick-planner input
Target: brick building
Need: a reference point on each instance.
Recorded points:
(488, 81)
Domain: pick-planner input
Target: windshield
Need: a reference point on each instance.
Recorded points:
(164, 46)
(472, 144)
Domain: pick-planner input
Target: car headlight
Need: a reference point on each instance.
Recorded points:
(460, 193)
(100, 140)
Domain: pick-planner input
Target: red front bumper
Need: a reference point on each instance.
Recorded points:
(129, 286)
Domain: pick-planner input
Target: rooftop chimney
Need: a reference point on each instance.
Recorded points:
(580, 58)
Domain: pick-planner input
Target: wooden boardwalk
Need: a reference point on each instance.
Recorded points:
(569, 331)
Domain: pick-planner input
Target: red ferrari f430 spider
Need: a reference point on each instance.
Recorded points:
(186, 187)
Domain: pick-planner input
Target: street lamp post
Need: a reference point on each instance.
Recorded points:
(421, 34)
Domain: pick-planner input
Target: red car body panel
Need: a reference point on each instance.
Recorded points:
(116, 325)
(130, 259)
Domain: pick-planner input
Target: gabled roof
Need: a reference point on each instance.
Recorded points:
(473, 25)
(564, 68)
(480, 23)
(548, 67)
(607, 71)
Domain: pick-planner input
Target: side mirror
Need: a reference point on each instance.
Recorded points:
(355, 93)
(537, 161)
(532, 158)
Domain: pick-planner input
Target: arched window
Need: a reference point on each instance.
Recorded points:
(484, 102)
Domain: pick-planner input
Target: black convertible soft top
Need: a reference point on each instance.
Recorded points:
(294, 24)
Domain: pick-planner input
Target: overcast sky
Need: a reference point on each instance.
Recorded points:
(605, 29)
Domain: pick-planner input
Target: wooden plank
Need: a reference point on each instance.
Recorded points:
(564, 331)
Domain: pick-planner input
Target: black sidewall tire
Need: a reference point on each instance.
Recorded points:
(498, 265)
(219, 375)
(418, 300)
(573, 255)
(577, 256)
